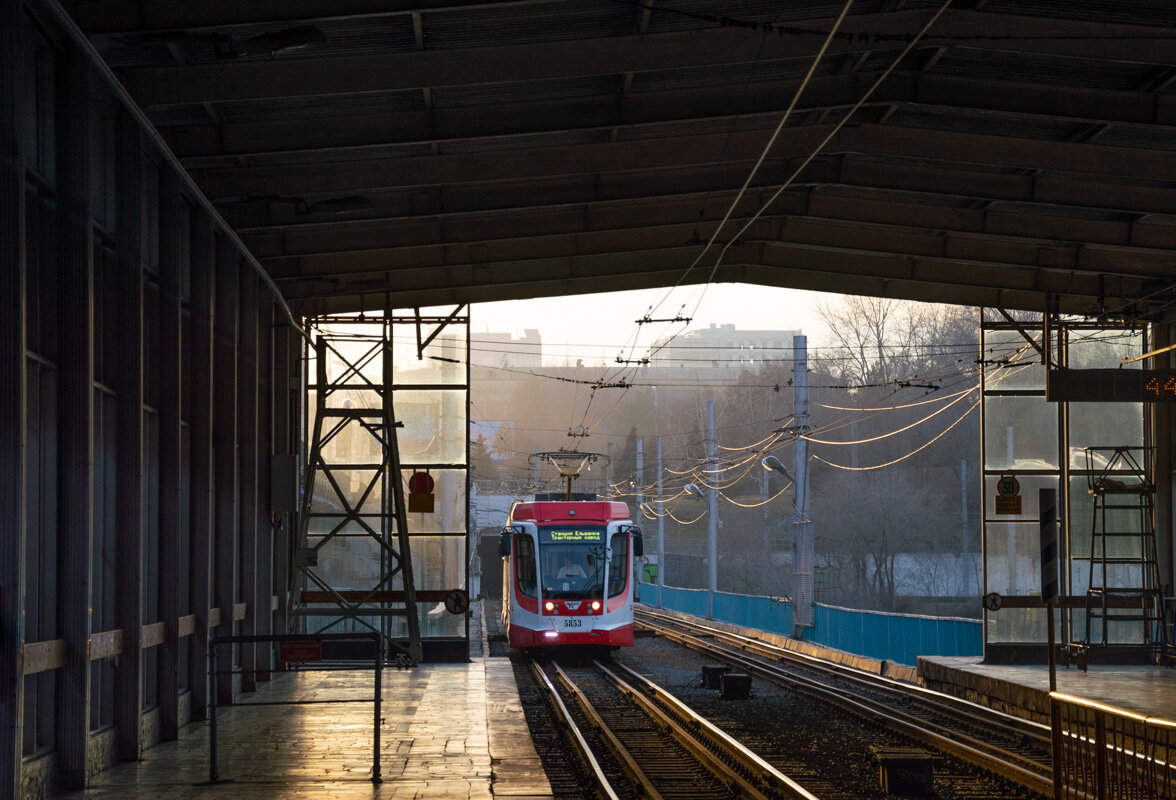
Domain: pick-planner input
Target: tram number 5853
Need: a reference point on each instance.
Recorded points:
(573, 623)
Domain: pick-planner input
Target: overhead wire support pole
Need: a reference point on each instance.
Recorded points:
(802, 538)
(661, 528)
(712, 504)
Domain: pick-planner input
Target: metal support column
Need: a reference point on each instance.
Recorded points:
(247, 474)
(400, 507)
(200, 525)
(129, 492)
(173, 255)
(347, 487)
(13, 400)
(75, 413)
(225, 456)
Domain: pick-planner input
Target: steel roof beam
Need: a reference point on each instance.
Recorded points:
(335, 133)
(329, 75)
(134, 17)
(906, 238)
(664, 193)
(836, 269)
(1002, 231)
(683, 152)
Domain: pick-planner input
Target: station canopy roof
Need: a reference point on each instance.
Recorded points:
(1022, 152)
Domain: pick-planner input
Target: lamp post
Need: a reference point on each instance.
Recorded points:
(802, 550)
(711, 545)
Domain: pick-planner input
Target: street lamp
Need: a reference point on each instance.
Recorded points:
(693, 488)
(773, 464)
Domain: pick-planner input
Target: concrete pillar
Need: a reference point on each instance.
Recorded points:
(173, 237)
(284, 375)
(247, 397)
(75, 413)
(264, 619)
(201, 531)
(13, 399)
(224, 398)
(130, 444)
(1164, 439)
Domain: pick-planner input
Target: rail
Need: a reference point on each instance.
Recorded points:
(577, 737)
(982, 750)
(1109, 753)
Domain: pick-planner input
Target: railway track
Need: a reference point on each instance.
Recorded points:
(639, 741)
(1015, 749)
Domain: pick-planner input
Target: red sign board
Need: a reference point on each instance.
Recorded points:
(300, 651)
(420, 483)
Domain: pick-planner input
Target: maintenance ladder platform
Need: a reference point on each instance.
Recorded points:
(449, 731)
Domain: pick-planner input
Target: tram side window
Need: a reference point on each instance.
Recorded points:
(618, 565)
(524, 558)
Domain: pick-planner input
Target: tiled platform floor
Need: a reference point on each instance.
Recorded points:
(449, 731)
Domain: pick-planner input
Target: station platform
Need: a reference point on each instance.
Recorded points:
(449, 731)
(1024, 690)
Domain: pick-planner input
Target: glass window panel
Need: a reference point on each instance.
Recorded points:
(449, 504)
(1015, 625)
(444, 359)
(434, 426)
(356, 359)
(348, 562)
(1030, 486)
(1020, 433)
(1082, 522)
(1103, 425)
(1103, 349)
(439, 562)
(365, 525)
(341, 490)
(1012, 556)
(1018, 365)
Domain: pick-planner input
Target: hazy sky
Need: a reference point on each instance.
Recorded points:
(604, 323)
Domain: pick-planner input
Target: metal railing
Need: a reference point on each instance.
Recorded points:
(1109, 753)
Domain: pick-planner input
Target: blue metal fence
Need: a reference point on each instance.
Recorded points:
(877, 634)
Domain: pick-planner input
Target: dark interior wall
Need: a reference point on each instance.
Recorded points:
(113, 572)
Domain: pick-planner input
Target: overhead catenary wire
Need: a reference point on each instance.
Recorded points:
(817, 150)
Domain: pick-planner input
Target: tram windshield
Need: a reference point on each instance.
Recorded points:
(572, 561)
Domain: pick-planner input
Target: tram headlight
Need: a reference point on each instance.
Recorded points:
(595, 605)
(550, 606)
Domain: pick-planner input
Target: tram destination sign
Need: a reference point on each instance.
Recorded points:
(1111, 385)
(570, 535)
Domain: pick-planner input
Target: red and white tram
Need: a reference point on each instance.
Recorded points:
(567, 574)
